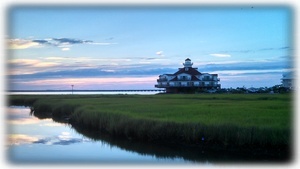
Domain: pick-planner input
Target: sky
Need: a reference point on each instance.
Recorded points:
(128, 47)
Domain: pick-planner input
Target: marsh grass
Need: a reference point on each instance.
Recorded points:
(223, 120)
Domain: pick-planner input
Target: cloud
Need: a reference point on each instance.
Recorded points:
(251, 72)
(21, 44)
(29, 66)
(160, 53)
(256, 50)
(101, 71)
(60, 66)
(93, 80)
(41, 41)
(85, 83)
(247, 66)
(64, 43)
(65, 49)
(279, 48)
(103, 43)
(69, 41)
(220, 55)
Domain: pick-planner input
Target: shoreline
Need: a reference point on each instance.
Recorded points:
(278, 153)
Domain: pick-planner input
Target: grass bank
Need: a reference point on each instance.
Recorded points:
(227, 121)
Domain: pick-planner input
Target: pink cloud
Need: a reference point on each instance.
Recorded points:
(21, 44)
(92, 83)
(28, 66)
(17, 139)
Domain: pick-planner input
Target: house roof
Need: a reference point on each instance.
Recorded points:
(190, 71)
(194, 78)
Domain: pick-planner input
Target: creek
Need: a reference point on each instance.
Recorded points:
(36, 139)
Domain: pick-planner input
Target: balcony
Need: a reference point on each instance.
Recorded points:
(162, 80)
(186, 85)
(210, 79)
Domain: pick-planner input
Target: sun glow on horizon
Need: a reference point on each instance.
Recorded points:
(92, 83)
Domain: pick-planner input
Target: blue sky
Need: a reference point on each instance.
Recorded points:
(128, 47)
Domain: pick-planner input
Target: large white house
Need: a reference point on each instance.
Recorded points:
(188, 79)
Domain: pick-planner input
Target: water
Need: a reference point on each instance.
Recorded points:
(41, 140)
(138, 92)
(33, 140)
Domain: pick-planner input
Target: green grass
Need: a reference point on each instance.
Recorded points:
(221, 119)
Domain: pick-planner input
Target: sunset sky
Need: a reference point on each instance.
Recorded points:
(128, 47)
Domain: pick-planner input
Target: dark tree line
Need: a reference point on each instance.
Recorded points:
(273, 89)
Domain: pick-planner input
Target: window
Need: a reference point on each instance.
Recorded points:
(190, 83)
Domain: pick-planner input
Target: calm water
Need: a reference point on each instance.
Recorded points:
(84, 92)
(33, 140)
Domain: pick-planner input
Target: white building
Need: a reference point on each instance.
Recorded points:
(188, 79)
(287, 80)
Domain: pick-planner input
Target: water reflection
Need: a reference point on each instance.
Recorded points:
(18, 115)
(41, 115)
(39, 134)
(17, 139)
(64, 138)
(161, 151)
(157, 151)
(29, 137)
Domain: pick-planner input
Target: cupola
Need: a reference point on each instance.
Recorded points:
(187, 64)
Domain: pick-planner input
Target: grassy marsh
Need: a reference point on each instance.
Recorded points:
(224, 120)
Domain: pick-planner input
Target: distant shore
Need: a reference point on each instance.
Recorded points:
(113, 90)
(248, 123)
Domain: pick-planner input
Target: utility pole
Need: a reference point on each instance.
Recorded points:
(72, 89)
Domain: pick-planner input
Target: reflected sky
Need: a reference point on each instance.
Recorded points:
(31, 140)
(27, 129)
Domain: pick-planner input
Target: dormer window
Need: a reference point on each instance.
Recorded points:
(186, 69)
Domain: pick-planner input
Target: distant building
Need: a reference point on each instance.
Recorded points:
(188, 80)
(287, 80)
